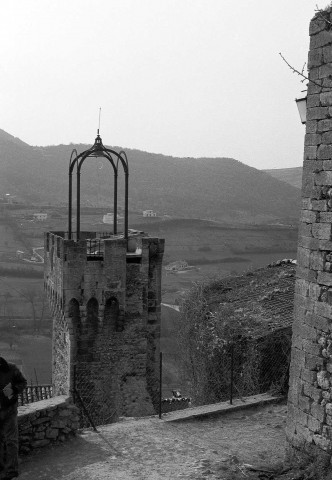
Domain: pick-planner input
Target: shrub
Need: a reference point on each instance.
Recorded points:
(212, 344)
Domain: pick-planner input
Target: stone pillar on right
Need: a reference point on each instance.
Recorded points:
(309, 425)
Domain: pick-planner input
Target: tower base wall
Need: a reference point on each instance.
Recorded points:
(106, 322)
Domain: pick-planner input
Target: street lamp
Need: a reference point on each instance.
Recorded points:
(302, 107)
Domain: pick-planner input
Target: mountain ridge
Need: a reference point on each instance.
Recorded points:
(216, 188)
(292, 175)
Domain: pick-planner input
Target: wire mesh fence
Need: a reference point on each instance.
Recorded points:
(105, 396)
(241, 368)
(88, 392)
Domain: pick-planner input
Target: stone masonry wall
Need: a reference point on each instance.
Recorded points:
(60, 331)
(156, 251)
(309, 429)
(46, 422)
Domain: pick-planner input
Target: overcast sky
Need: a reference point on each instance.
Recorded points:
(178, 77)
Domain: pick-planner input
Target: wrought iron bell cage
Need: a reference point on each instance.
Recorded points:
(116, 159)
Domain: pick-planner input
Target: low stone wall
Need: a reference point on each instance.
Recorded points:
(46, 422)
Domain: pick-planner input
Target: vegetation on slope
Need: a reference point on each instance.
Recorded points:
(239, 324)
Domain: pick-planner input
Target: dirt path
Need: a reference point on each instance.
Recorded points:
(150, 449)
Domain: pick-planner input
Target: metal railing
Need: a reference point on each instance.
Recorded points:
(34, 393)
(95, 247)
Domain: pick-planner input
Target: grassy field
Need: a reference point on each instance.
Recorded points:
(22, 304)
(32, 353)
(36, 353)
(172, 378)
(216, 249)
(25, 319)
(213, 248)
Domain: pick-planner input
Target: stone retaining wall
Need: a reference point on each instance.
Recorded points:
(46, 422)
(174, 404)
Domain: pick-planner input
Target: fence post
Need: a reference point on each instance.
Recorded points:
(37, 389)
(74, 385)
(86, 411)
(232, 373)
(160, 381)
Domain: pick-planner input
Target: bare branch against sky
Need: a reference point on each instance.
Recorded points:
(179, 77)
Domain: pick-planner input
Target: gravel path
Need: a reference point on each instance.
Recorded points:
(150, 449)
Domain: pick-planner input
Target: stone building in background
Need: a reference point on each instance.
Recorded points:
(309, 426)
(105, 295)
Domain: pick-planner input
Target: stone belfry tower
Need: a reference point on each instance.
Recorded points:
(105, 294)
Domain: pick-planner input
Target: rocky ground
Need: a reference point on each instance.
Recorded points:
(247, 444)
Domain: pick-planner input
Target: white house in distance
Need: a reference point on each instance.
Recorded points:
(149, 213)
(177, 266)
(40, 217)
(9, 198)
(109, 217)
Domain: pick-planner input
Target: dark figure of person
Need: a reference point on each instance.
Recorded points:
(12, 383)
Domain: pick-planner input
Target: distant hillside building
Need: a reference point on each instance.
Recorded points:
(176, 266)
(109, 218)
(149, 213)
(40, 217)
(9, 198)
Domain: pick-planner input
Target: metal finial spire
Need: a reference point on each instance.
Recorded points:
(99, 121)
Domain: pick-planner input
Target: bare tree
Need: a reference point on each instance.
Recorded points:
(36, 299)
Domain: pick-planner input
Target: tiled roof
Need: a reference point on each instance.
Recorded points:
(266, 293)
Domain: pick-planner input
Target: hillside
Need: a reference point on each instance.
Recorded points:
(292, 176)
(216, 188)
